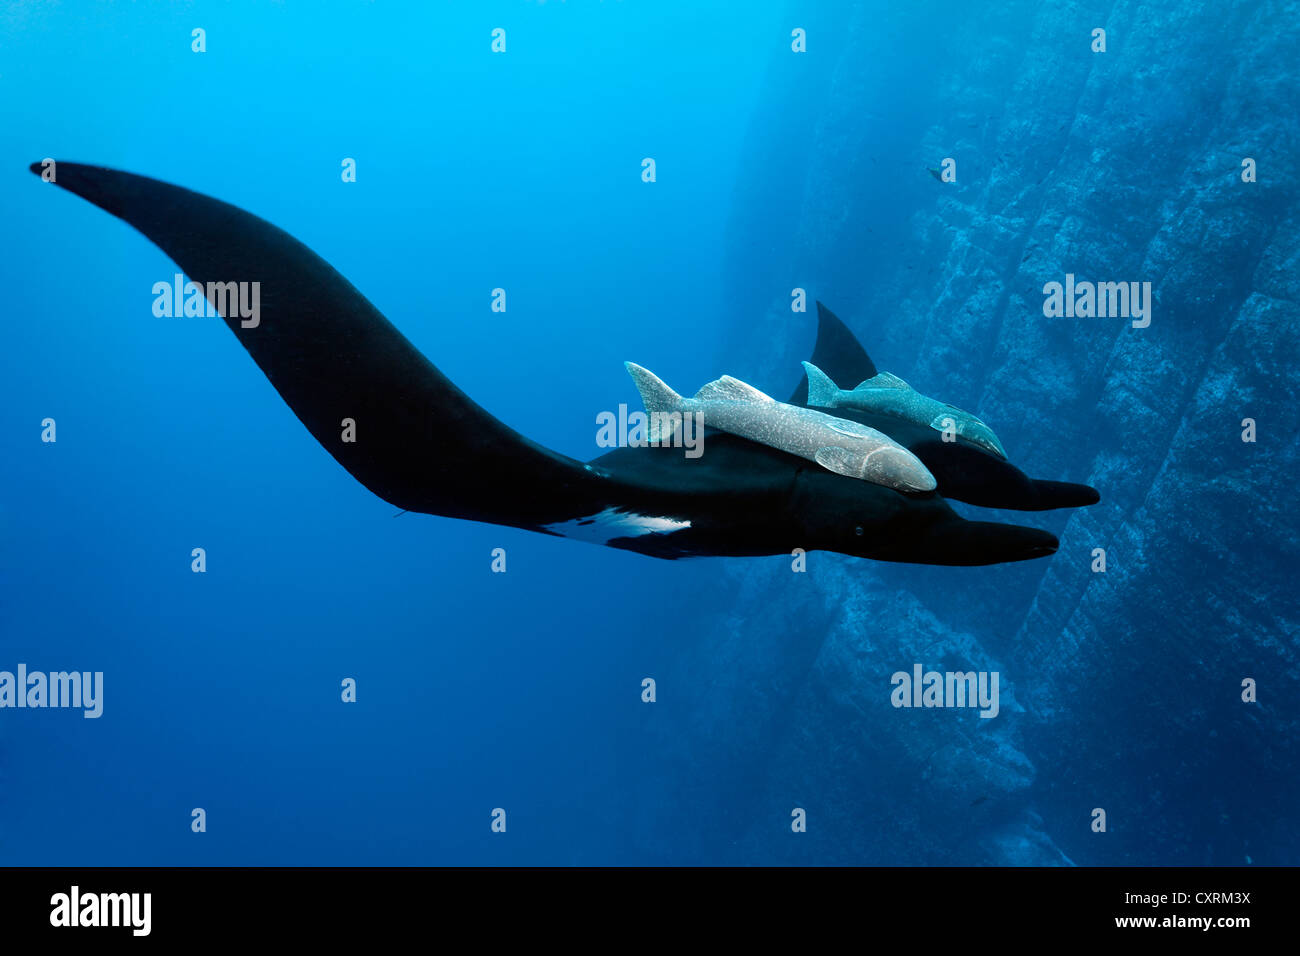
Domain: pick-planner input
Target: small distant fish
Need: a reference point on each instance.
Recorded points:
(977, 801)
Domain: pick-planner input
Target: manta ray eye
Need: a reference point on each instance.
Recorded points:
(858, 531)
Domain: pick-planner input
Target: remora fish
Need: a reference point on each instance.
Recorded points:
(836, 444)
(888, 394)
(965, 471)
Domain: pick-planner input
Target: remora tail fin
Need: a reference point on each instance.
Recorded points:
(655, 393)
(420, 442)
(821, 390)
(662, 404)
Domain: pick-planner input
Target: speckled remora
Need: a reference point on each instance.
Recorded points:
(964, 471)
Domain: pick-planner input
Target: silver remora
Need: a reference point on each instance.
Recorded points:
(836, 444)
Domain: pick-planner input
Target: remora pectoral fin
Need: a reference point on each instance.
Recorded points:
(837, 460)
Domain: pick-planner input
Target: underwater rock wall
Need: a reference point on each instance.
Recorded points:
(1119, 690)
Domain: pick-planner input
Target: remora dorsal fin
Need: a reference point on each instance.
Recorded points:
(838, 353)
(884, 380)
(728, 389)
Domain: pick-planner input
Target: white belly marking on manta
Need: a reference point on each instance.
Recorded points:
(612, 523)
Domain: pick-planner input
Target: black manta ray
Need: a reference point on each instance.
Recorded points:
(422, 445)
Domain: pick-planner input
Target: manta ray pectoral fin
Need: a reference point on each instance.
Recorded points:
(837, 353)
(417, 441)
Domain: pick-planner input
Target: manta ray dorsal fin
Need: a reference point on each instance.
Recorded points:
(728, 389)
(838, 353)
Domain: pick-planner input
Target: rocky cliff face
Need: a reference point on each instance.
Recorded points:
(1119, 690)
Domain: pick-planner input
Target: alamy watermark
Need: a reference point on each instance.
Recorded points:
(1103, 300)
(656, 429)
(75, 908)
(179, 298)
(947, 689)
(82, 689)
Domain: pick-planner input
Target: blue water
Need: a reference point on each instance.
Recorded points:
(523, 690)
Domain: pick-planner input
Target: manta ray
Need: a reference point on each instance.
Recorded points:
(423, 445)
